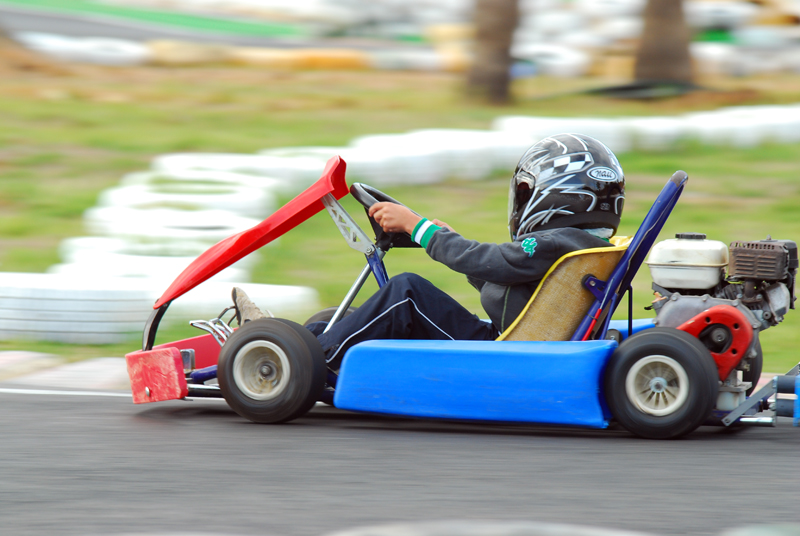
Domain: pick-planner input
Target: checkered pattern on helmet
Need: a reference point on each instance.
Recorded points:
(568, 163)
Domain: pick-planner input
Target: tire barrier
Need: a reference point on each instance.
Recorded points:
(293, 173)
(76, 249)
(176, 175)
(473, 154)
(418, 157)
(209, 226)
(163, 268)
(243, 200)
(736, 126)
(91, 309)
(613, 132)
(85, 310)
(431, 155)
(101, 51)
(656, 133)
(406, 160)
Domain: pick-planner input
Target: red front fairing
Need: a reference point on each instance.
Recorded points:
(286, 218)
(206, 349)
(158, 374)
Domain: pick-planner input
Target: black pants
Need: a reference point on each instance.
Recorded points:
(407, 307)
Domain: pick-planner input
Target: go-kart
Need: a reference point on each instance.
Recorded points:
(564, 361)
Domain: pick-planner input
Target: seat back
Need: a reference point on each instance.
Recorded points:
(595, 323)
(561, 300)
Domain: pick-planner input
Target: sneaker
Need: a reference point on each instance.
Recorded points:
(246, 310)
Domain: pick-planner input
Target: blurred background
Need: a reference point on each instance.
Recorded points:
(138, 133)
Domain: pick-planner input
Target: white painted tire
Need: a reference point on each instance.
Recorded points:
(241, 200)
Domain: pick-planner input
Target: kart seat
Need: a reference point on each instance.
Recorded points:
(561, 301)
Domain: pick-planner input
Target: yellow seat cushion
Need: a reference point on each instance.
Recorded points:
(560, 302)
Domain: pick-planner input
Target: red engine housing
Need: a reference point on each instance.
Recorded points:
(737, 324)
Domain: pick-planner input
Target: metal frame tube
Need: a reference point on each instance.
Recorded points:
(220, 334)
(350, 296)
(204, 391)
(375, 262)
(202, 375)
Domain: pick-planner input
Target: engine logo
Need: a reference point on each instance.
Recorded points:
(603, 174)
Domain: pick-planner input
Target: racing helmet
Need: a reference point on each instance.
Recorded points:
(566, 180)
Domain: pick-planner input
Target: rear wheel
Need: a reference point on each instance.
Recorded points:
(269, 372)
(754, 374)
(326, 314)
(661, 383)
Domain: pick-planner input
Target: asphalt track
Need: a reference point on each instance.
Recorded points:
(79, 464)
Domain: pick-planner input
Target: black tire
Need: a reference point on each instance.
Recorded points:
(320, 372)
(756, 366)
(661, 383)
(326, 314)
(269, 372)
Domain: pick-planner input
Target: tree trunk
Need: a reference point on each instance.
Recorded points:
(663, 54)
(495, 22)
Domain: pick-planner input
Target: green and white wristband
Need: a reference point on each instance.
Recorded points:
(423, 232)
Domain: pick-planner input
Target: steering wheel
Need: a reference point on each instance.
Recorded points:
(368, 196)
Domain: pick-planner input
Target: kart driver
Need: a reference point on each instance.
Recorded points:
(566, 194)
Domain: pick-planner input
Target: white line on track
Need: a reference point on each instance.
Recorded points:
(71, 393)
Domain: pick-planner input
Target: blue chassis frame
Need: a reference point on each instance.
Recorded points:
(537, 382)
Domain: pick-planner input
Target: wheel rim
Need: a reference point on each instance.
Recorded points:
(657, 385)
(261, 370)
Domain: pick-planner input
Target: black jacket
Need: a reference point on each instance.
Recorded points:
(507, 274)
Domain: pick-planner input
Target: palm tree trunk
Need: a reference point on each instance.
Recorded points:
(663, 54)
(495, 22)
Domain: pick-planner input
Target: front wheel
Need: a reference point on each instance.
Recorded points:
(269, 372)
(661, 383)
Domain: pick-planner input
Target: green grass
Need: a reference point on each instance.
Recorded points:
(64, 139)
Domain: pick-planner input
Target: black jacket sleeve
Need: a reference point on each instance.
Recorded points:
(511, 263)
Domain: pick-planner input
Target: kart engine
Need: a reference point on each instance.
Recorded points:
(760, 276)
(689, 277)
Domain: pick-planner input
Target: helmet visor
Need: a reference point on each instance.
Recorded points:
(519, 194)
